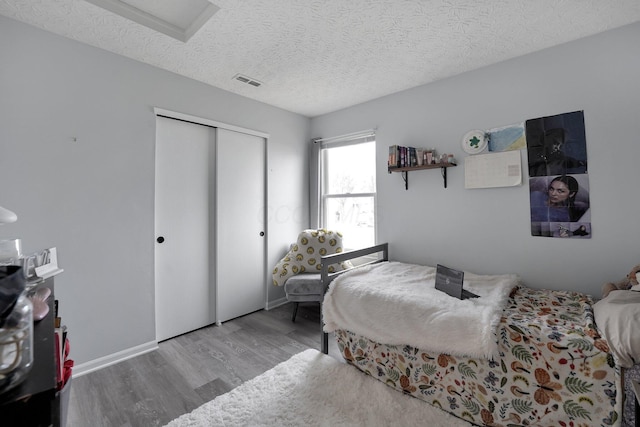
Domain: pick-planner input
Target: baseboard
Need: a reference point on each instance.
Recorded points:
(277, 303)
(112, 359)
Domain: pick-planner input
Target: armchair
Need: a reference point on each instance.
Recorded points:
(299, 271)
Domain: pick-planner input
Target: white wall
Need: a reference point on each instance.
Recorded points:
(488, 230)
(92, 197)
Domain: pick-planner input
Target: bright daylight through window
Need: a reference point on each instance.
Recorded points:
(348, 192)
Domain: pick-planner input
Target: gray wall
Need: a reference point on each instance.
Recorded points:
(92, 198)
(487, 230)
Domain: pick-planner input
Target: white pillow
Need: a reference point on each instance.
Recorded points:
(618, 319)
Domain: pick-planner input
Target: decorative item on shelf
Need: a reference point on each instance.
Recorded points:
(47, 263)
(451, 160)
(37, 266)
(474, 142)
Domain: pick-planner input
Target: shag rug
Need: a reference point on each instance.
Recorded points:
(313, 389)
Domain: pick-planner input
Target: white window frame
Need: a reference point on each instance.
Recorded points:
(327, 144)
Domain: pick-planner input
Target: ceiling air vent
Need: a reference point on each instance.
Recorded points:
(247, 80)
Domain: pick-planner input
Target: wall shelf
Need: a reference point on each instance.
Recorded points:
(405, 171)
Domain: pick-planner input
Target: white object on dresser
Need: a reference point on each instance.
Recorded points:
(50, 265)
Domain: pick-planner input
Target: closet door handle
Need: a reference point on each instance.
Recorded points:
(262, 234)
(160, 239)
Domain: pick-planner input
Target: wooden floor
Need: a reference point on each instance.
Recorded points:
(189, 370)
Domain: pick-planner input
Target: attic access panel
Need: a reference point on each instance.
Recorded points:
(177, 19)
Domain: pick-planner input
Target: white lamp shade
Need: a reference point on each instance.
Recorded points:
(6, 216)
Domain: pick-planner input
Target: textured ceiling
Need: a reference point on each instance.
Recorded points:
(319, 56)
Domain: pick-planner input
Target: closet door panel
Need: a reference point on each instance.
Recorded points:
(182, 227)
(240, 224)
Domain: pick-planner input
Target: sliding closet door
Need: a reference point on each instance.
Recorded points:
(240, 227)
(183, 254)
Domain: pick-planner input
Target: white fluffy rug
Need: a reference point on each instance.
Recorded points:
(313, 389)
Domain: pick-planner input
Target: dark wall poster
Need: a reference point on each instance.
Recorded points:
(558, 180)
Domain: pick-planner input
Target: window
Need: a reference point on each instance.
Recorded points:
(348, 190)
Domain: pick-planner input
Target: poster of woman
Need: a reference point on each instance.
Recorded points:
(562, 202)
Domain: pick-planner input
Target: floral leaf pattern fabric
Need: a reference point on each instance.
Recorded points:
(554, 368)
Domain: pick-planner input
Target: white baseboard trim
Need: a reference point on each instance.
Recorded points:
(112, 359)
(277, 303)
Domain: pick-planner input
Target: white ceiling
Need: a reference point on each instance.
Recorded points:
(318, 56)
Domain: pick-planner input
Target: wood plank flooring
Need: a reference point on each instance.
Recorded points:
(192, 369)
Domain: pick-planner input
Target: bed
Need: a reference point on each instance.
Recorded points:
(517, 356)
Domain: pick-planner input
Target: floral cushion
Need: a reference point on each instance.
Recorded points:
(305, 255)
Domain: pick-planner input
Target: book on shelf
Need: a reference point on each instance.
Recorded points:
(393, 156)
(397, 156)
(413, 159)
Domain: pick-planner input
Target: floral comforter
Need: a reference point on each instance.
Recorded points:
(554, 368)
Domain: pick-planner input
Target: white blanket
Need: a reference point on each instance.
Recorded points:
(397, 303)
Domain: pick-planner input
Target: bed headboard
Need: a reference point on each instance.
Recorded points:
(327, 277)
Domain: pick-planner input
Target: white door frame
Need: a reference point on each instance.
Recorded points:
(212, 123)
(207, 122)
